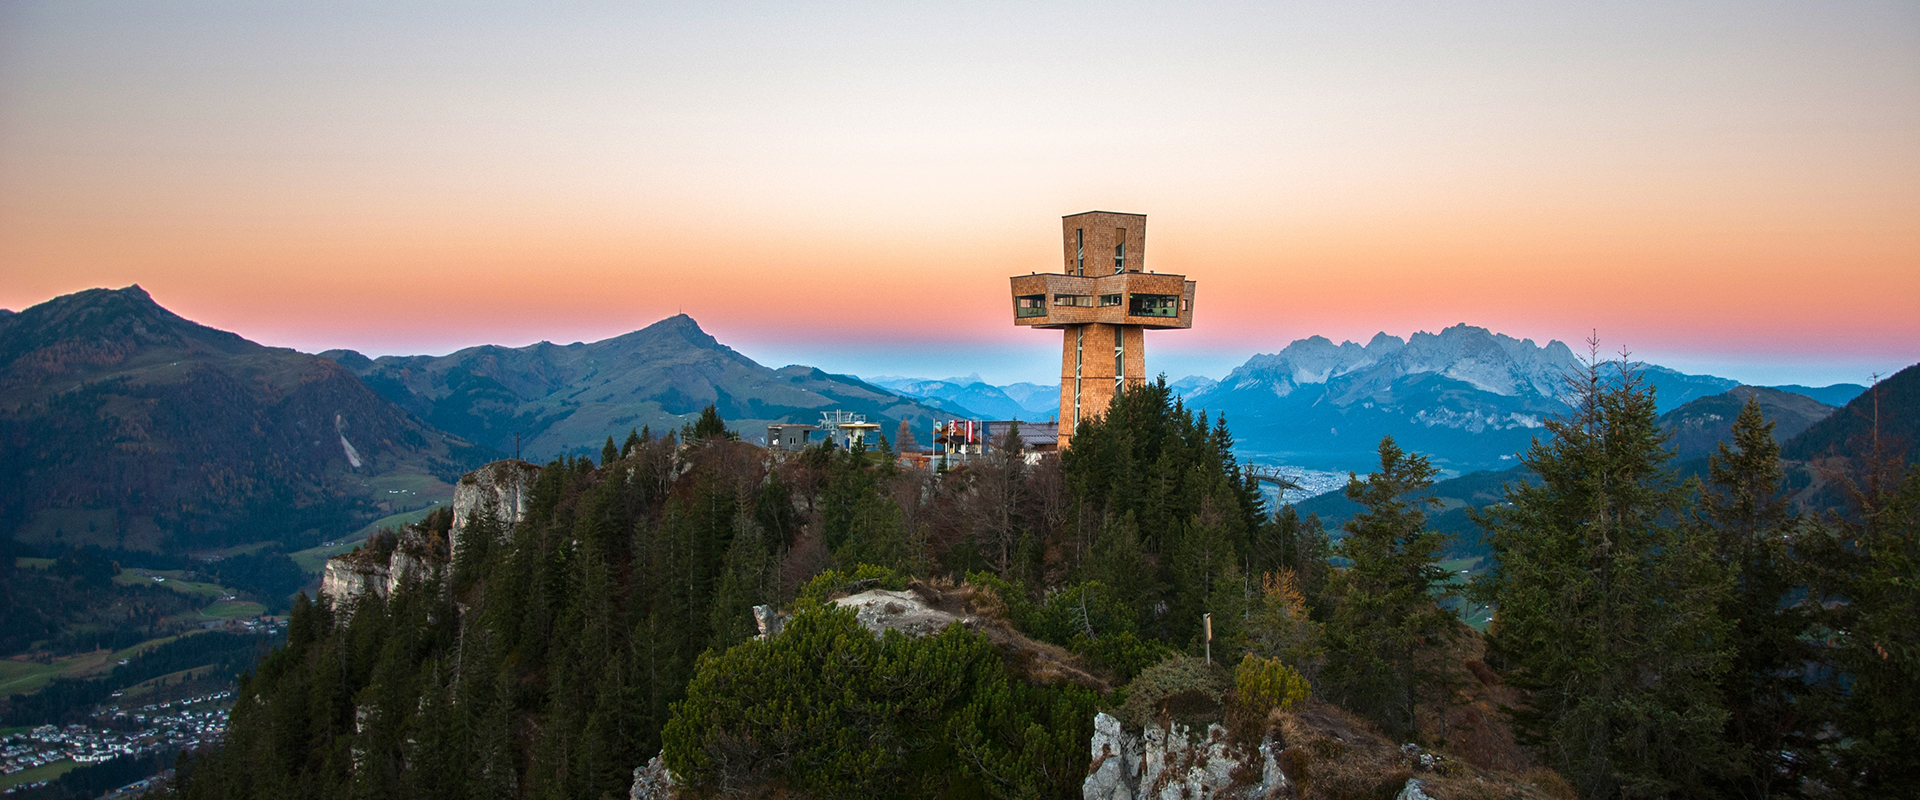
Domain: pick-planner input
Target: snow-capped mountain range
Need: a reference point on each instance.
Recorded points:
(1469, 398)
(1489, 362)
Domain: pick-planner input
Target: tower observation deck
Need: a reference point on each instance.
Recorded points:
(1103, 301)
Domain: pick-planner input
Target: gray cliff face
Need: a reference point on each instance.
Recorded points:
(1169, 763)
(501, 486)
(416, 557)
(346, 579)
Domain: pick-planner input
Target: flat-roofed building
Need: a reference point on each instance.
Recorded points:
(790, 436)
(1035, 437)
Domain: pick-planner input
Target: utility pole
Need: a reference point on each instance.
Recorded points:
(1208, 620)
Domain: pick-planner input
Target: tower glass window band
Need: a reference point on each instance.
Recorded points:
(1154, 305)
(1119, 250)
(1079, 251)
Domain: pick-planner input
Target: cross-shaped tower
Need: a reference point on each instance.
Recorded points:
(1104, 301)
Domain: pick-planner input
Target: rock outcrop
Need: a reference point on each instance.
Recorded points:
(384, 562)
(653, 781)
(380, 566)
(881, 610)
(1168, 763)
(346, 578)
(501, 486)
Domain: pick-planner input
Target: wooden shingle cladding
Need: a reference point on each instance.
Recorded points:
(1103, 301)
(1099, 234)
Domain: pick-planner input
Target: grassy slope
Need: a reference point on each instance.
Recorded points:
(23, 677)
(45, 772)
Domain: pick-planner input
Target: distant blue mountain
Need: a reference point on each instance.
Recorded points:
(1466, 397)
(1697, 428)
(968, 397)
(1838, 394)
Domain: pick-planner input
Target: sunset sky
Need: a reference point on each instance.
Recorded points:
(1730, 188)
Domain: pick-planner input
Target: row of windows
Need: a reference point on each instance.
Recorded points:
(1142, 305)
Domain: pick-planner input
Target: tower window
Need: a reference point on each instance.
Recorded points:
(1081, 300)
(1154, 305)
(1119, 250)
(1079, 251)
(1110, 300)
(1030, 305)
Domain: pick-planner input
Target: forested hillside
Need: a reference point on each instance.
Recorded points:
(127, 427)
(1653, 636)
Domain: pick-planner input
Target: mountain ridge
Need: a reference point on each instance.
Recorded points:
(568, 398)
(129, 426)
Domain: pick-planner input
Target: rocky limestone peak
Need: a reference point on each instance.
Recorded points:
(1313, 360)
(1384, 344)
(1487, 361)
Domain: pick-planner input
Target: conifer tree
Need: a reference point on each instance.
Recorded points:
(1119, 561)
(1387, 631)
(1207, 581)
(1745, 507)
(1865, 584)
(743, 584)
(1294, 543)
(1280, 627)
(709, 426)
(1608, 612)
(903, 440)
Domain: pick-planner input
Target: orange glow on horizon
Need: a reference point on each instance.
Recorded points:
(1696, 181)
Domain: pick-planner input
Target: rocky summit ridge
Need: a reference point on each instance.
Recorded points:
(1487, 361)
(1470, 398)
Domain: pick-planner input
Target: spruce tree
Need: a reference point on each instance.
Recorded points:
(1387, 634)
(709, 426)
(1298, 544)
(1745, 507)
(1208, 581)
(1865, 585)
(903, 440)
(1608, 612)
